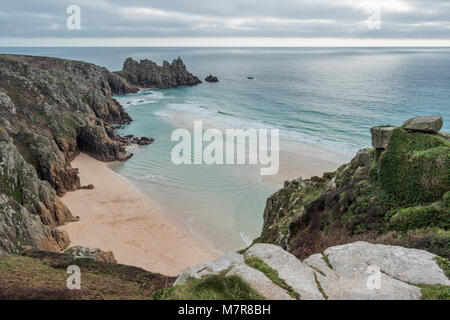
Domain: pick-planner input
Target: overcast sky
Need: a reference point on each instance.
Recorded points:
(226, 22)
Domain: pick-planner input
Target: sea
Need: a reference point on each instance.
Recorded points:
(326, 98)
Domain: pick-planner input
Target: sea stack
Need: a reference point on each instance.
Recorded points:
(211, 78)
(148, 74)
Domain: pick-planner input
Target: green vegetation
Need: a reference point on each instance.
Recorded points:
(17, 195)
(325, 258)
(210, 287)
(272, 274)
(415, 168)
(444, 264)
(434, 292)
(319, 286)
(436, 214)
(398, 196)
(42, 275)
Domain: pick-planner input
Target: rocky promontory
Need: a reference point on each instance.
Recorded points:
(51, 110)
(148, 74)
(384, 214)
(396, 193)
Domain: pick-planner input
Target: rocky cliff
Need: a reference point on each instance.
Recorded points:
(396, 193)
(148, 74)
(51, 110)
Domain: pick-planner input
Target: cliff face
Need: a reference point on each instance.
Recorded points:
(29, 207)
(396, 194)
(55, 108)
(50, 110)
(148, 74)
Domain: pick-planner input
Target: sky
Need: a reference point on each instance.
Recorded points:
(225, 23)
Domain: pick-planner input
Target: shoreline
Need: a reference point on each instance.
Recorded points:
(115, 216)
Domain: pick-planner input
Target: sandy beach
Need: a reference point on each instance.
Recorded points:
(114, 216)
(311, 163)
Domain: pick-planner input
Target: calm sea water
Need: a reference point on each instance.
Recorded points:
(325, 97)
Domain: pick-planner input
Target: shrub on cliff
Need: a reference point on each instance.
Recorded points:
(415, 168)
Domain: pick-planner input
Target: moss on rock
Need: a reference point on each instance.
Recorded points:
(415, 168)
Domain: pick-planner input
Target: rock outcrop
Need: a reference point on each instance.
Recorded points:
(29, 207)
(55, 108)
(98, 255)
(148, 74)
(356, 271)
(51, 110)
(397, 193)
(211, 78)
(380, 136)
(430, 124)
(6, 104)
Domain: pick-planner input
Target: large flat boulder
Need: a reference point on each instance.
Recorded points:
(210, 268)
(354, 271)
(258, 280)
(349, 272)
(298, 275)
(233, 264)
(405, 264)
(431, 124)
(381, 135)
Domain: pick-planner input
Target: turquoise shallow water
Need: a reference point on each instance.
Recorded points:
(324, 97)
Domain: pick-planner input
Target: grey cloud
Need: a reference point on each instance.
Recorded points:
(233, 18)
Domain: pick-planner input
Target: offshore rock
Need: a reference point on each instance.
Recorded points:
(211, 78)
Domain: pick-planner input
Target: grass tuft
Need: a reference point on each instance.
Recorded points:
(444, 264)
(272, 274)
(210, 287)
(434, 292)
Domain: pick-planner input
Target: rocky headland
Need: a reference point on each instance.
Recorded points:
(396, 193)
(148, 74)
(51, 110)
